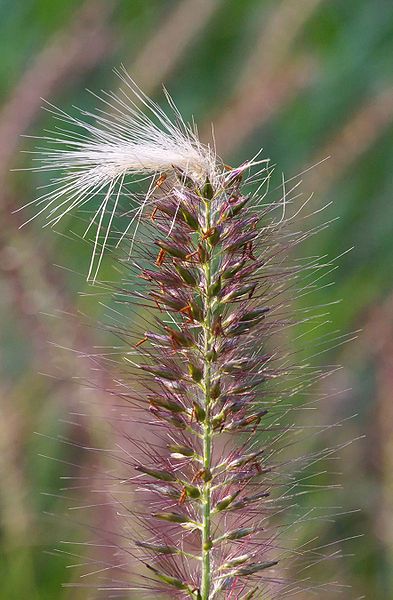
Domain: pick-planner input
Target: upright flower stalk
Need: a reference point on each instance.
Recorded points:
(207, 426)
(204, 375)
(207, 271)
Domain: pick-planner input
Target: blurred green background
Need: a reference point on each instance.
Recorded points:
(304, 79)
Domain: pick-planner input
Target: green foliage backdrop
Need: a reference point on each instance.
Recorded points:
(304, 79)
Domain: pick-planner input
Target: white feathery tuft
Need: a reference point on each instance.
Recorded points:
(94, 160)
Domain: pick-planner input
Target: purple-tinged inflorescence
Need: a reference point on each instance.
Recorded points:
(209, 275)
(205, 368)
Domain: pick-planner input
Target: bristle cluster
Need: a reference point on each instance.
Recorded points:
(208, 272)
(204, 368)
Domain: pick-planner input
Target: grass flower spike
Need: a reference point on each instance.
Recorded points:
(208, 270)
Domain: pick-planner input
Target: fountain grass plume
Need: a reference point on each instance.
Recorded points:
(209, 270)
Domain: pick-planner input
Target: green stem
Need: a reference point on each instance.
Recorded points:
(207, 430)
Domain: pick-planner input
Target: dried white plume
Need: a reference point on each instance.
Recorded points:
(94, 161)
